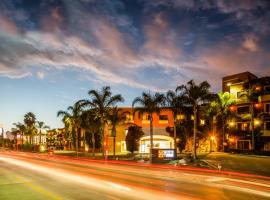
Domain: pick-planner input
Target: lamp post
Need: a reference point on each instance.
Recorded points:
(212, 138)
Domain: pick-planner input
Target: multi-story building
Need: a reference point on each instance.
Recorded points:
(161, 137)
(236, 86)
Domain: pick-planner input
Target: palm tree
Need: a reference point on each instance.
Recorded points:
(73, 114)
(220, 107)
(30, 120)
(176, 104)
(101, 104)
(41, 126)
(20, 127)
(115, 118)
(149, 104)
(92, 125)
(196, 96)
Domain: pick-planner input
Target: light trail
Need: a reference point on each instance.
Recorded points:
(105, 186)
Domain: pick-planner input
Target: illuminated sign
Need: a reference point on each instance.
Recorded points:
(168, 153)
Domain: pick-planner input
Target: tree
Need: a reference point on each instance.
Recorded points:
(115, 118)
(220, 107)
(101, 103)
(41, 126)
(196, 95)
(176, 104)
(73, 114)
(91, 125)
(133, 136)
(20, 127)
(30, 120)
(149, 104)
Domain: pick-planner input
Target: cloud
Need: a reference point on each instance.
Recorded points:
(251, 43)
(40, 75)
(107, 47)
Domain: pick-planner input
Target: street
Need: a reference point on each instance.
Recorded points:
(36, 176)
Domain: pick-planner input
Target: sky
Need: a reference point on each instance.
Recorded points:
(52, 52)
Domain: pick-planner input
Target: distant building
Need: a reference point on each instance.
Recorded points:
(234, 84)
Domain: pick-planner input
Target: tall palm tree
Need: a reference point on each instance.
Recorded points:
(92, 125)
(101, 103)
(196, 96)
(30, 120)
(176, 104)
(41, 126)
(149, 104)
(115, 118)
(220, 107)
(20, 127)
(73, 114)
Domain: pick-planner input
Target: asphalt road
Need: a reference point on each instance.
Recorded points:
(33, 176)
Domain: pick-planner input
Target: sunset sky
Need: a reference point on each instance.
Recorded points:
(53, 51)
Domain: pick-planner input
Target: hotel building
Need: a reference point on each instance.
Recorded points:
(240, 127)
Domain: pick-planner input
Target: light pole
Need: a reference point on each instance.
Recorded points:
(211, 143)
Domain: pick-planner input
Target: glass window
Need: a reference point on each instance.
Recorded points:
(267, 89)
(243, 126)
(267, 125)
(243, 110)
(146, 117)
(163, 117)
(267, 107)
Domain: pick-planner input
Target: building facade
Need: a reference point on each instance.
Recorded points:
(252, 111)
(161, 137)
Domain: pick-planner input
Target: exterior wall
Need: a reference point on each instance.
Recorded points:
(159, 127)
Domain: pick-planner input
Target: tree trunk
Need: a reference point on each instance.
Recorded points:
(195, 132)
(151, 140)
(252, 128)
(105, 139)
(39, 136)
(114, 147)
(223, 134)
(174, 137)
(93, 144)
(76, 140)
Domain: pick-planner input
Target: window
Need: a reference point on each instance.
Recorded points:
(267, 126)
(267, 89)
(146, 117)
(243, 110)
(202, 122)
(129, 117)
(267, 108)
(180, 117)
(163, 117)
(243, 126)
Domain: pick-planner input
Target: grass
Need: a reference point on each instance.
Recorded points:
(240, 163)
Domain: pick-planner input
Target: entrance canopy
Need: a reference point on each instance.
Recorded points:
(159, 142)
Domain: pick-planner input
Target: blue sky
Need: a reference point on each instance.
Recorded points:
(52, 52)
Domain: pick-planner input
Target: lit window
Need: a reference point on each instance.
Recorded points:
(202, 121)
(180, 117)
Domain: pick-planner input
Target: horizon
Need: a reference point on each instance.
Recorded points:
(53, 52)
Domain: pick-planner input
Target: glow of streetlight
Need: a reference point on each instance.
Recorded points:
(212, 138)
(231, 123)
(257, 122)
